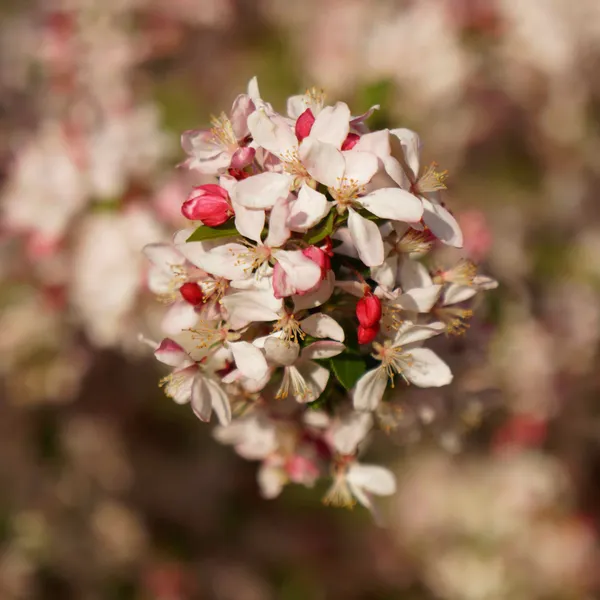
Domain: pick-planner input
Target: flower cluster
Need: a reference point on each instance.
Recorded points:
(301, 297)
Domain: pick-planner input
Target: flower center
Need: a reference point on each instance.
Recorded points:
(290, 328)
(462, 274)
(393, 359)
(292, 164)
(431, 180)
(255, 257)
(222, 132)
(314, 98)
(208, 335)
(417, 242)
(454, 318)
(346, 192)
(294, 381)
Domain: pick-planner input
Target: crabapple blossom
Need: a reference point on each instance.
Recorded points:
(304, 279)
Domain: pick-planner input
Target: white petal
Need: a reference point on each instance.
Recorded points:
(356, 288)
(179, 316)
(318, 297)
(394, 203)
(315, 376)
(296, 106)
(332, 124)
(249, 359)
(308, 209)
(272, 133)
(347, 247)
(322, 326)
(180, 387)
(263, 190)
(427, 369)
(302, 273)
(253, 90)
(366, 238)
(171, 353)
(483, 282)
(408, 333)
(323, 161)
(372, 478)
(271, 480)
(442, 224)
(359, 166)
(454, 293)
(219, 401)
(411, 145)
(163, 256)
(281, 351)
(385, 273)
(201, 398)
(369, 389)
(251, 306)
(324, 349)
(249, 222)
(351, 430)
(419, 299)
(222, 261)
(413, 275)
(278, 229)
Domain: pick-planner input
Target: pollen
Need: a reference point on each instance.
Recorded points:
(462, 274)
(314, 97)
(346, 192)
(393, 359)
(415, 242)
(339, 494)
(294, 382)
(431, 180)
(454, 318)
(222, 131)
(290, 328)
(208, 335)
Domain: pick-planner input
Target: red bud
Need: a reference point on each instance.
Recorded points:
(304, 124)
(367, 334)
(191, 293)
(350, 141)
(208, 203)
(368, 310)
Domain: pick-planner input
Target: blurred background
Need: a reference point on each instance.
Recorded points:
(109, 490)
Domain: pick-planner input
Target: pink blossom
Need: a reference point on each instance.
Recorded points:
(208, 203)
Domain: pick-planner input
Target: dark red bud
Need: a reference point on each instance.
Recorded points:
(350, 141)
(367, 334)
(192, 293)
(304, 124)
(368, 310)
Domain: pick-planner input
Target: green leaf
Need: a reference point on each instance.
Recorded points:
(348, 368)
(204, 232)
(322, 230)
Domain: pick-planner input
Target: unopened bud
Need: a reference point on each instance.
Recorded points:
(367, 334)
(208, 203)
(304, 124)
(368, 310)
(191, 293)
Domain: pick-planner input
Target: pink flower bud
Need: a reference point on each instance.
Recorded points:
(350, 141)
(319, 257)
(242, 157)
(208, 203)
(367, 334)
(368, 310)
(304, 124)
(192, 293)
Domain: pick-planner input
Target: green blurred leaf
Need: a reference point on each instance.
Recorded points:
(322, 230)
(204, 232)
(348, 368)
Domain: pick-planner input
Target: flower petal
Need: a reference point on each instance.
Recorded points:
(318, 297)
(223, 261)
(281, 351)
(419, 299)
(359, 166)
(315, 377)
(278, 230)
(272, 132)
(369, 390)
(250, 306)
(442, 224)
(172, 354)
(427, 369)
(320, 325)
(455, 293)
(350, 431)
(413, 274)
(249, 222)
(324, 162)
(249, 359)
(411, 146)
(262, 190)
(219, 401)
(324, 349)
(332, 124)
(394, 203)
(372, 478)
(308, 209)
(302, 273)
(179, 316)
(409, 333)
(366, 238)
(201, 398)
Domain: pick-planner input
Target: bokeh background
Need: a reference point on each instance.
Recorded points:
(109, 490)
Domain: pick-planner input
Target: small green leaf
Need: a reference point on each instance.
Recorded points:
(348, 368)
(322, 230)
(204, 232)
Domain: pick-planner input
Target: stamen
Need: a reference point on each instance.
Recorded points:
(339, 493)
(462, 273)
(222, 131)
(393, 359)
(292, 378)
(172, 383)
(430, 181)
(416, 242)
(290, 328)
(209, 335)
(314, 98)
(346, 191)
(455, 319)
